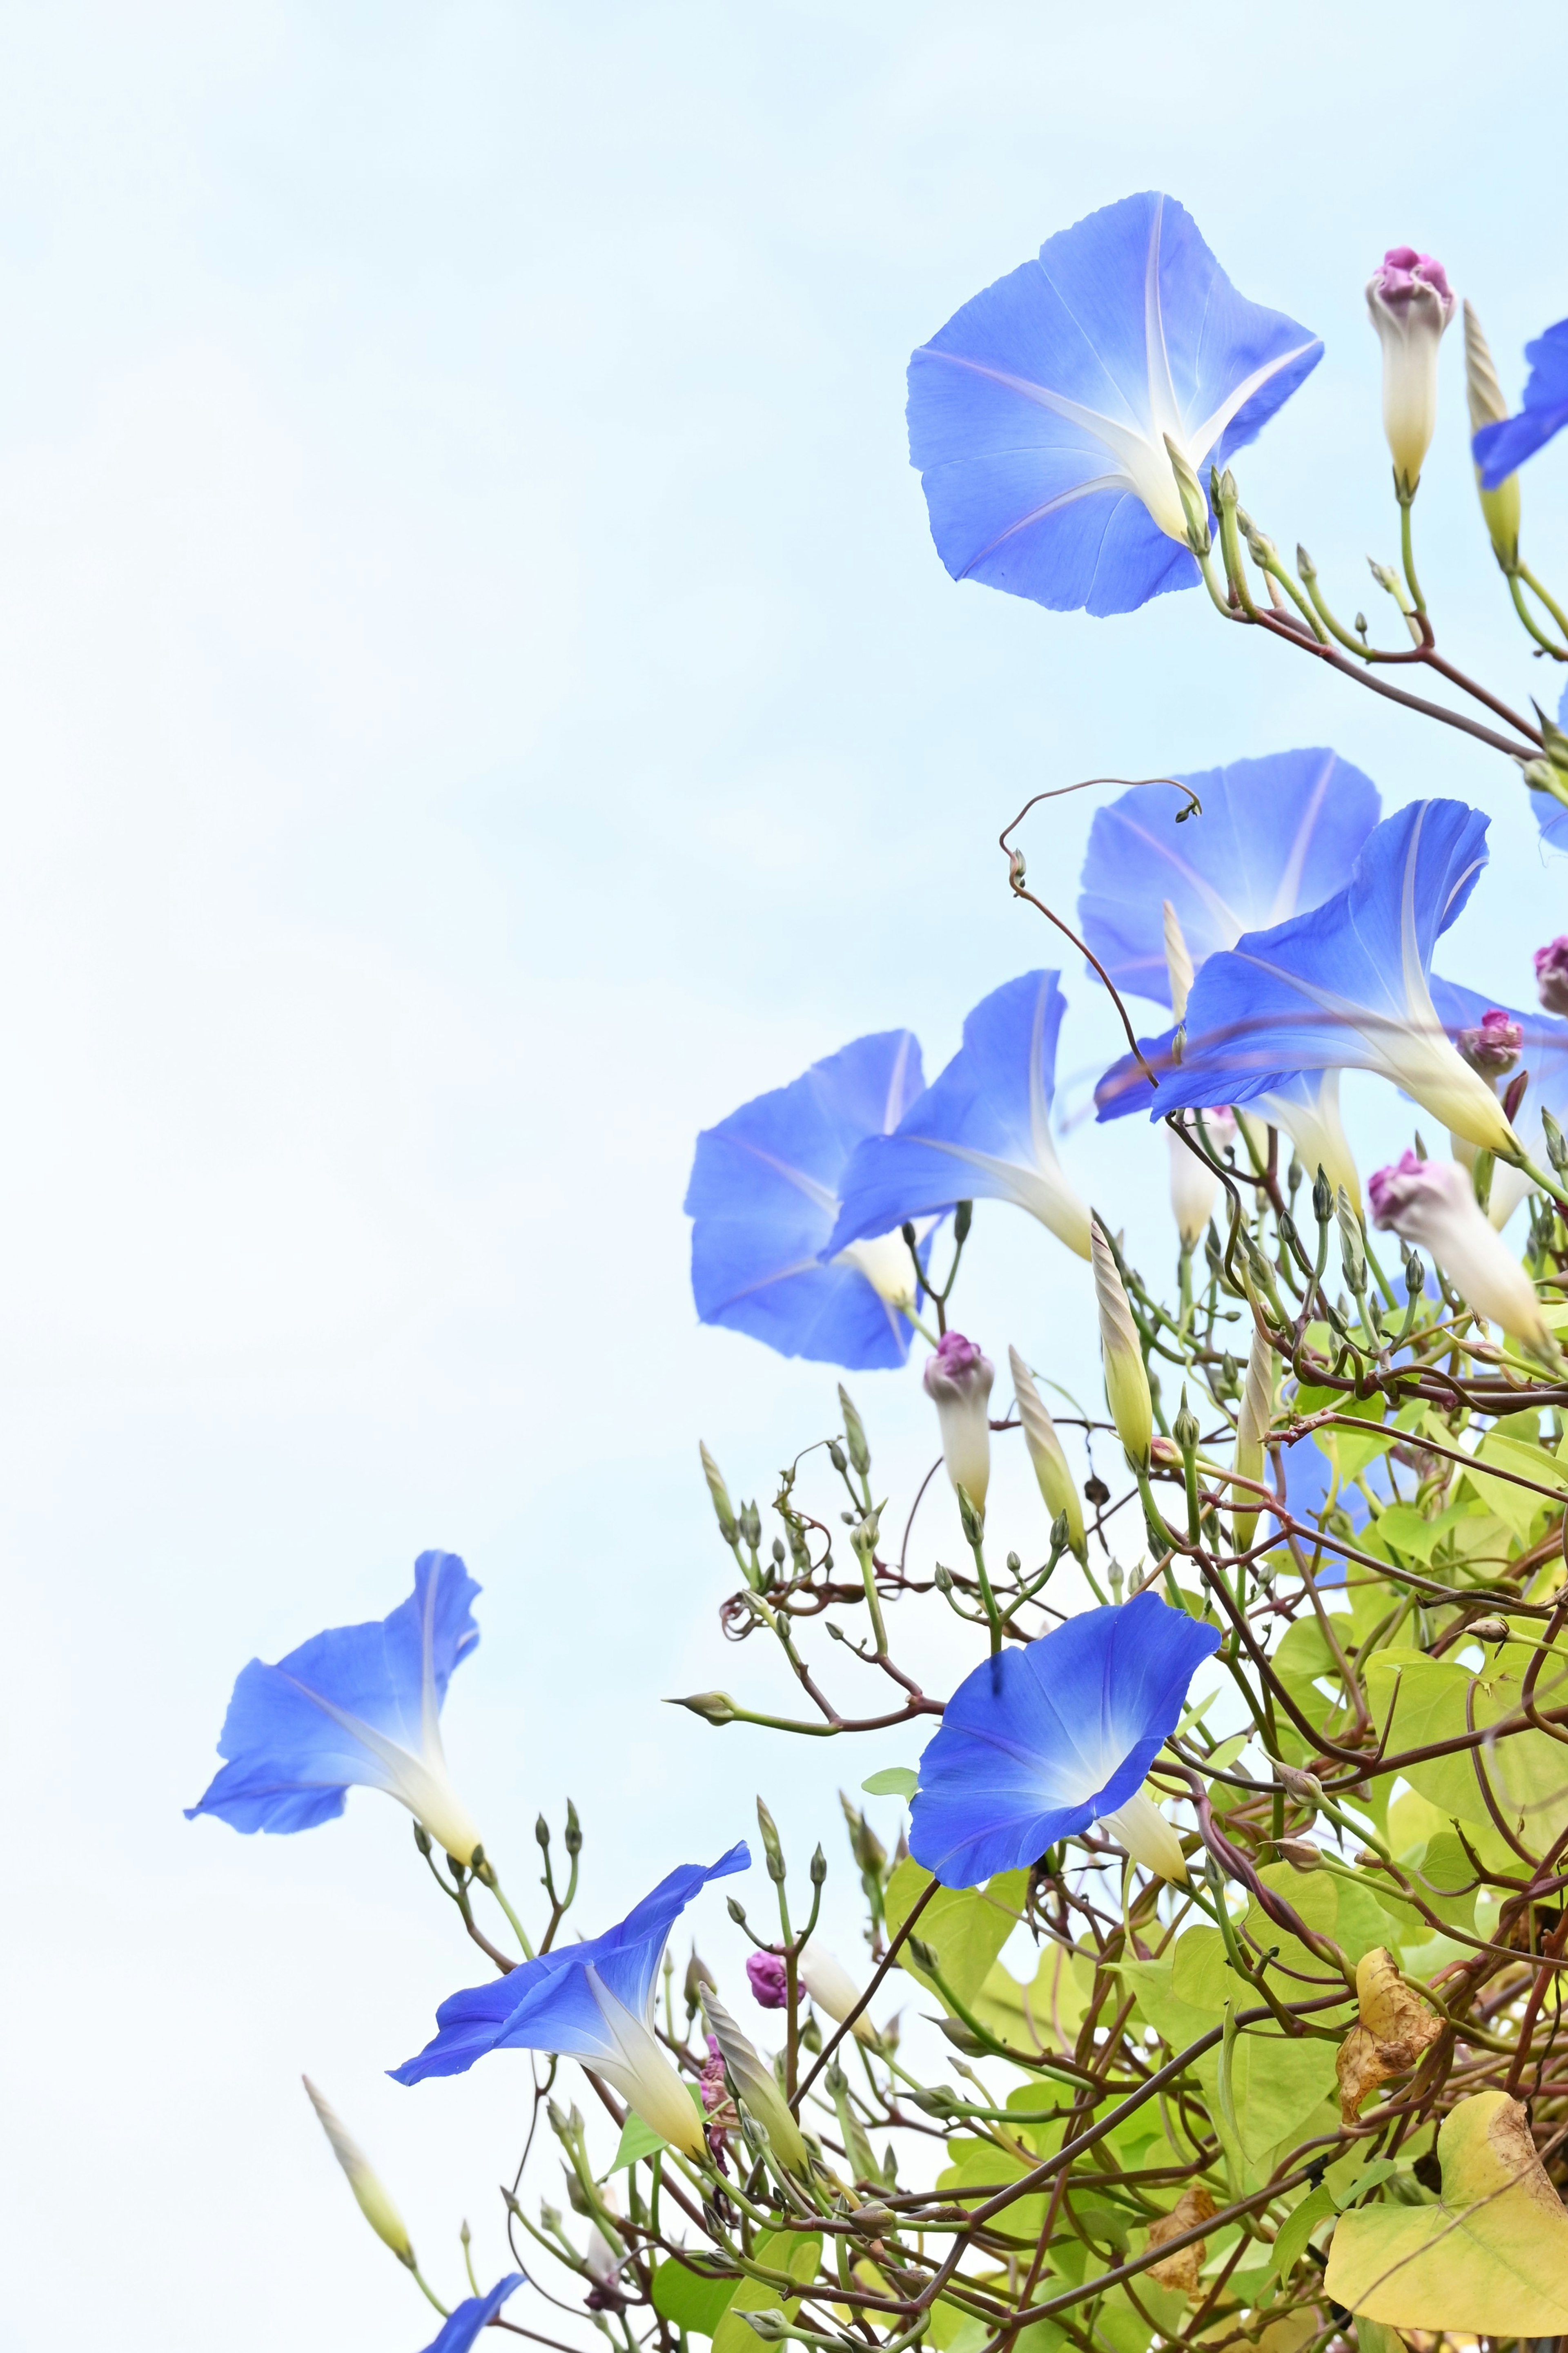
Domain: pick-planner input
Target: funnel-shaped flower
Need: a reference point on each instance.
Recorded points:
(765, 1195)
(1409, 302)
(592, 2001)
(1540, 1046)
(1040, 416)
(356, 1707)
(958, 1380)
(1431, 1204)
(1121, 1357)
(1038, 1743)
(1499, 448)
(1276, 837)
(1347, 985)
(1056, 1484)
(980, 1132)
(462, 2327)
(371, 2196)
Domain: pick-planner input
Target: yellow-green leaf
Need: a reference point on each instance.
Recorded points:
(783, 2251)
(686, 2299)
(1489, 2259)
(966, 1927)
(1276, 2083)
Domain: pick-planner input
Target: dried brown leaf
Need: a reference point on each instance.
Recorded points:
(1181, 2270)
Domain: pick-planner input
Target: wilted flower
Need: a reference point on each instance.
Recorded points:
(1492, 1046)
(1431, 1204)
(710, 2082)
(1409, 302)
(958, 1380)
(1056, 1484)
(1483, 393)
(1040, 1742)
(1121, 1356)
(592, 2001)
(769, 1980)
(358, 1705)
(1551, 974)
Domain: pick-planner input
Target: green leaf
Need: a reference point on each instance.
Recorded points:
(1297, 2227)
(1175, 2022)
(637, 2139)
(1489, 2259)
(1041, 2016)
(1335, 1907)
(966, 1927)
(783, 2251)
(1276, 2085)
(892, 1781)
(688, 2301)
(977, 2162)
(1528, 1771)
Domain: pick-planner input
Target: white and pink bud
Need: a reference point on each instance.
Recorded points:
(1431, 1206)
(958, 1382)
(1410, 304)
(1551, 974)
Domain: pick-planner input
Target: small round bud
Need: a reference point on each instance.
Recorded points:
(1014, 1564)
(818, 1868)
(541, 1832)
(836, 1455)
(574, 1829)
(737, 1911)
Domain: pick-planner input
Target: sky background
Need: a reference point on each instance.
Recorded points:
(478, 701)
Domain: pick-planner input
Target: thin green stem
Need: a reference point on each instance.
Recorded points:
(445, 2310)
(1407, 558)
(1530, 623)
(1552, 606)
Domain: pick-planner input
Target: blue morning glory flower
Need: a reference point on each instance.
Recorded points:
(1040, 1742)
(475, 2312)
(1275, 836)
(1498, 450)
(1038, 416)
(1345, 985)
(592, 2001)
(763, 1199)
(981, 1131)
(356, 1707)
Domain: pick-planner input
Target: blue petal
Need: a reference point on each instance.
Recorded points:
(292, 1762)
(765, 1195)
(1038, 1743)
(976, 1132)
(1499, 449)
(1257, 1017)
(1021, 408)
(548, 2004)
(1276, 835)
(475, 2313)
(1551, 815)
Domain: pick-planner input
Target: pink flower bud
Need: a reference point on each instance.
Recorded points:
(1493, 1048)
(1410, 304)
(958, 1382)
(769, 1982)
(1551, 974)
(1431, 1205)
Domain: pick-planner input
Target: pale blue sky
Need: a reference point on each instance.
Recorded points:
(478, 701)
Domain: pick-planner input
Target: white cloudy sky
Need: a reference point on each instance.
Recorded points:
(477, 702)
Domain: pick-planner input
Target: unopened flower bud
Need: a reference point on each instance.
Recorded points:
(1301, 1853)
(371, 2196)
(836, 1455)
(1483, 394)
(942, 1578)
(1556, 1142)
(1051, 1471)
(1126, 1378)
(769, 1980)
(713, 1708)
(1323, 1198)
(1409, 302)
(1305, 1787)
(574, 1829)
(1189, 490)
(958, 1380)
(1552, 974)
(1252, 1427)
(832, 1989)
(1489, 1630)
(1195, 1188)
(1493, 1047)
(1432, 1204)
(697, 1975)
(854, 1433)
(723, 1509)
(818, 1866)
(771, 1849)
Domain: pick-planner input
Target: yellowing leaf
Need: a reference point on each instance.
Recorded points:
(966, 1927)
(1395, 2026)
(1489, 2259)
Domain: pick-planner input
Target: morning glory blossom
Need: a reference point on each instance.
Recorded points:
(1347, 985)
(1040, 1741)
(981, 1131)
(1539, 1045)
(592, 2001)
(1499, 449)
(356, 1707)
(1039, 415)
(1275, 836)
(764, 1200)
(465, 2321)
